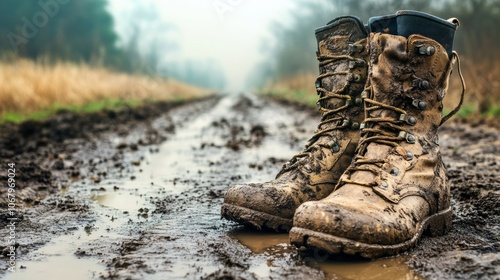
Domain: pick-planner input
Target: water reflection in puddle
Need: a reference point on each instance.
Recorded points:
(56, 261)
(121, 201)
(276, 244)
(258, 242)
(390, 268)
(68, 267)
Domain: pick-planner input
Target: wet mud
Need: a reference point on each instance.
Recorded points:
(136, 194)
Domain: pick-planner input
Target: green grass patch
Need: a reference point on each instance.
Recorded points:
(471, 111)
(494, 111)
(96, 106)
(300, 96)
(466, 111)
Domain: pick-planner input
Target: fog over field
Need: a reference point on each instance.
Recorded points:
(229, 34)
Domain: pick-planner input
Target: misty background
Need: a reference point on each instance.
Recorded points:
(225, 45)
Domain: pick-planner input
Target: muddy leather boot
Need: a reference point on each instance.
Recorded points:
(396, 188)
(313, 173)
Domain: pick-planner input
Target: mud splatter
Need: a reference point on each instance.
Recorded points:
(136, 194)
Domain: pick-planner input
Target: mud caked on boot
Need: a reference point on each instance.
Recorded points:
(396, 188)
(313, 173)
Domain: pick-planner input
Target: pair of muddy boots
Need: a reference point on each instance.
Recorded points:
(370, 181)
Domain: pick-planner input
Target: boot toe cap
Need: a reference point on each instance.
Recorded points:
(262, 198)
(354, 223)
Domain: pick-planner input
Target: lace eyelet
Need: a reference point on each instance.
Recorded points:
(345, 123)
(409, 156)
(364, 94)
(354, 78)
(419, 104)
(427, 50)
(355, 48)
(440, 95)
(423, 85)
(394, 171)
(383, 185)
(357, 63)
(408, 119)
(334, 146)
(409, 138)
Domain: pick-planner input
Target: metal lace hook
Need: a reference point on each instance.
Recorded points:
(454, 21)
(456, 58)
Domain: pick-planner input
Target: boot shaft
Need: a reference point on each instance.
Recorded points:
(407, 23)
(398, 155)
(343, 66)
(410, 65)
(415, 82)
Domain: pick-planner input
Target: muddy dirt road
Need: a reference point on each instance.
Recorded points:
(136, 194)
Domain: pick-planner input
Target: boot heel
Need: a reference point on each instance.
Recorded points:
(439, 224)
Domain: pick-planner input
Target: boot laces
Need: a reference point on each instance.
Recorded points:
(388, 131)
(382, 130)
(333, 116)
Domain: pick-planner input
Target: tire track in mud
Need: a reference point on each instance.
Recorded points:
(146, 204)
(238, 140)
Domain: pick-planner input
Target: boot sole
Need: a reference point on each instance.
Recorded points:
(435, 225)
(255, 219)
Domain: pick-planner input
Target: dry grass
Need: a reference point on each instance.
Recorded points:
(298, 88)
(27, 86)
(482, 98)
(483, 87)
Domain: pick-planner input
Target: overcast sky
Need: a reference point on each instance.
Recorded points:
(231, 33)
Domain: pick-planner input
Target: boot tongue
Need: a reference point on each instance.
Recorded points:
(375, 150)
(347, 26)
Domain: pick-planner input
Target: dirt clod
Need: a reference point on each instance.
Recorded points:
(136, 193)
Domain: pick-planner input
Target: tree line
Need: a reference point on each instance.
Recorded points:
(84, 31)
(295, 48)
(59, 29)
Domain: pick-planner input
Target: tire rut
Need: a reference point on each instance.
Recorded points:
(140, 199)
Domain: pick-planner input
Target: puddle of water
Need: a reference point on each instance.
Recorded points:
(59, 262)
(166, 170)
(381, 269)
(159, 173)
(57, 259)
(120, 201)
(261, 270)
(258, 242)
(58, 267)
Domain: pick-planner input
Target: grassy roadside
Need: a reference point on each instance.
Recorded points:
(299, 89)
(36, 91)
(481, 102)
(95, 106)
